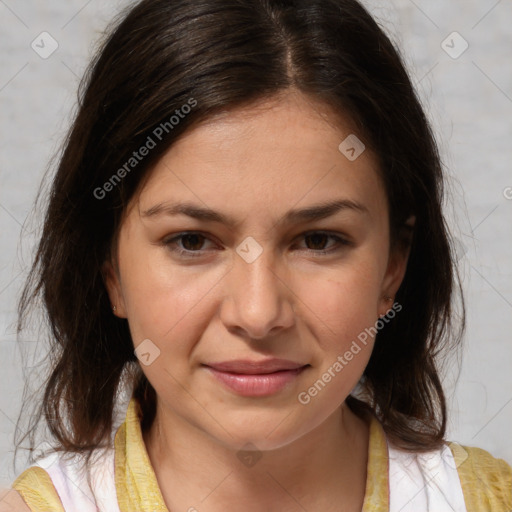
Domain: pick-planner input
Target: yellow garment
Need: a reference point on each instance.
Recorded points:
(486, 481)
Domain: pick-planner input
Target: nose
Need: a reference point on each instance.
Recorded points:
(258, 300)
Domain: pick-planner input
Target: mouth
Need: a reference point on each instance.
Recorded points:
(256, 378)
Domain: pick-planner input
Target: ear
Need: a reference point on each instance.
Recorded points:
(397, 266)
(112, 282)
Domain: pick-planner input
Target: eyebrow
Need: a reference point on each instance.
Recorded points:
(308, 214)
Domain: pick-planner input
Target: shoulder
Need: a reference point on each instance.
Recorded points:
(11, 501)
(486, 480)
(33, 490)
(65, 481)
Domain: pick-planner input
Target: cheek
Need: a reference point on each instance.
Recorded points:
(341, 315)
(164, 302)
(343, 301)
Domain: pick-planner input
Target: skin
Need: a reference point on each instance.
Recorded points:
(11, 501)
(255, 164)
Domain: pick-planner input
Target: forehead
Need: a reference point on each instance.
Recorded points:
(268, 128)
(275, 154)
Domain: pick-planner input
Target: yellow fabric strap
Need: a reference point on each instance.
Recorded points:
(486, 481)
(137, 486)
(136, 483)
(36, 488)
(376, 498)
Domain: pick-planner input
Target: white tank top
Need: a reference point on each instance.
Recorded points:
(427, 482)
(81, 492)
(424, 482)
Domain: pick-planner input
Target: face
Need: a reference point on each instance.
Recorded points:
(260, 279)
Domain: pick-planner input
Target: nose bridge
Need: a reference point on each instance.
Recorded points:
(255, 270)
(257, 296)
(256, 265)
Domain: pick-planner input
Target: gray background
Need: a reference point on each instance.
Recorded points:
(468, 99)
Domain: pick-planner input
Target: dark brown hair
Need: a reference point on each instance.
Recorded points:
(225, 54)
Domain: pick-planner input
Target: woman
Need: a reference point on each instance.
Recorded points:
(245, 233)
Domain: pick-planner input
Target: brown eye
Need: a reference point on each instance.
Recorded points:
(192, 242)
(187, 244)
(316, 242)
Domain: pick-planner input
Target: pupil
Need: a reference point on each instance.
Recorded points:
(195, 237)
(316, 237)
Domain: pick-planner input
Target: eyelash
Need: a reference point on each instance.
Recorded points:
(170, 242)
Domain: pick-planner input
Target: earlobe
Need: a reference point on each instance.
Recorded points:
(392, 281)
(397, 267)
(113, 286)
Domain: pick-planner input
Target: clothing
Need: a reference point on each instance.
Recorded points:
(121, 479)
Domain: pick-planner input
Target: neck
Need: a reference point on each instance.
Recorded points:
(323, 468)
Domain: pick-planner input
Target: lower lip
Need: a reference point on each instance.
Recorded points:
(259, 384)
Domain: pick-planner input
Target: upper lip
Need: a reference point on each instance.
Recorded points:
(255, 367)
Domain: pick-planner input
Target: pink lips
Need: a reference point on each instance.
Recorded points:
(256, 378)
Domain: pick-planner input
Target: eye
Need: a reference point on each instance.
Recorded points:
(191, 244)
(318, 240)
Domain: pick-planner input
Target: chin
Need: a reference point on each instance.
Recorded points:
(265, 430)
